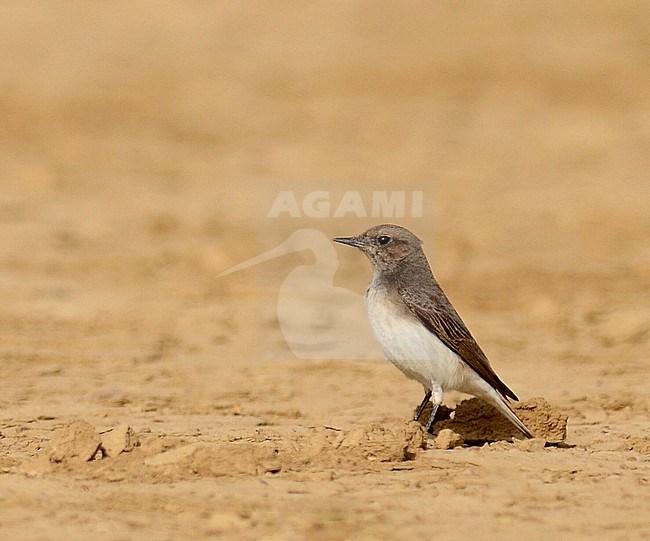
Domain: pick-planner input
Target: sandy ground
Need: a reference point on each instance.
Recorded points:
(137, 147)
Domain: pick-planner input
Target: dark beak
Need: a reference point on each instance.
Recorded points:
(350, 241)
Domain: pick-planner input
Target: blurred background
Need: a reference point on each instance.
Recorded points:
(136, 138)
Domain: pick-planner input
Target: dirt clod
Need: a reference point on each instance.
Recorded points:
(376, 442)
(543, 419)
(77, 441)
(120, 439)
(476, 421)
(218, 460)
(533, 445)
(448, 439)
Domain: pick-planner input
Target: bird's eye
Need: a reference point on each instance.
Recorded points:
(383, 240)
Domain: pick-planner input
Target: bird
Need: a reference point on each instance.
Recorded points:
(418, 328)
(312, 313)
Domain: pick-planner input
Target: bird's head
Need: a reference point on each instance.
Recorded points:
(385, 245)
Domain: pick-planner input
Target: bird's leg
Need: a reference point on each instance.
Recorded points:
(432, 417)
(425, 401)
(437, 395)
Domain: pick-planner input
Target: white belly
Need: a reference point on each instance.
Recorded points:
(412, 348)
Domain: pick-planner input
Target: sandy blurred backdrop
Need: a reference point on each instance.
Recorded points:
(137, 143)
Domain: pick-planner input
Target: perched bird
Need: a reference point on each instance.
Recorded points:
(417, 327)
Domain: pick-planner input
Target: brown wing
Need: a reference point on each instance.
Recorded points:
(439, 316)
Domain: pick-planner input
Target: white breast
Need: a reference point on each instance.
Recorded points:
(410, 346)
